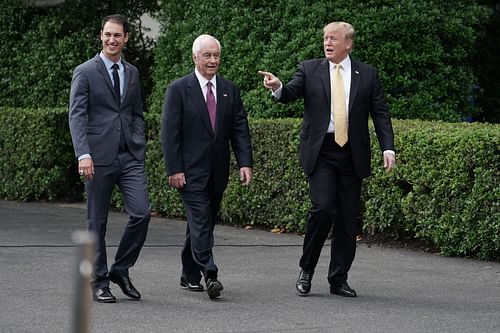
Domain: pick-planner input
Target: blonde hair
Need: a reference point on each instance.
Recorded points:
(350, 33)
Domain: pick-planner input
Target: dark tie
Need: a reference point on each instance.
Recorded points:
(116, 82)
(212, 108)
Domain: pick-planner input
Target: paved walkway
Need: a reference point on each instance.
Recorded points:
(399, 290)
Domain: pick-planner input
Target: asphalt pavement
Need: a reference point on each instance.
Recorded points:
(399, 290)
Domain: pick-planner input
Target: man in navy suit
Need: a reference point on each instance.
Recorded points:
(202, 116)
(335, 157)
(107, 128)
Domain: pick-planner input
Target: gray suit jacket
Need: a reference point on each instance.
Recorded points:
(96, 119)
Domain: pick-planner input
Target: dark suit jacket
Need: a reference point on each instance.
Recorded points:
(312, 81)
(95, 119)
(188, 140)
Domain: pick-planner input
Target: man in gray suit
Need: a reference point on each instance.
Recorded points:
(107, 128)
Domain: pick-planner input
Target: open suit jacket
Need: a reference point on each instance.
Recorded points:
(189, 143)
(312, 81)
(96, 118)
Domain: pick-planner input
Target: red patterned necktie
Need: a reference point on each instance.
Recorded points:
(211, 105)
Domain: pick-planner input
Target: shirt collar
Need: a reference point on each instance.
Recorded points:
(108, 63)
(203, 81)
(346, 65)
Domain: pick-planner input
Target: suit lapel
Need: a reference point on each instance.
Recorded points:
(128, 81)
(101, 69)
(222, 98)
(324, 74)
(199, 101)
(355, 77)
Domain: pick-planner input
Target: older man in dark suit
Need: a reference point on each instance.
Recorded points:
(339, 94)
(107, 128)
(202, 116)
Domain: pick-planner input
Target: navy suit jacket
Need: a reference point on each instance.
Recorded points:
(96, 119)
(312, 82)
(189, 143)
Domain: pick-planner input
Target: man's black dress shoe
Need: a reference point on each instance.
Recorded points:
(125, 285)
(343, 289)
(214, 287)
(303, 284)
(190, 286)
(104, 295)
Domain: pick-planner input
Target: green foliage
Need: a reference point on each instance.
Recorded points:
(36, 156)
(278, 196)
(41, 47)
(423, 49)
(444, 189)
(438, 60)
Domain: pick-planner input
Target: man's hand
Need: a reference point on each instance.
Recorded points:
(270, 81)
(86, 168)
(177, 180)
(389, 161)
(245, 176)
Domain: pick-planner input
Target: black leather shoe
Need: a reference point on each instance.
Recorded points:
(103, 295)
(125, 285)
(303, 284)
(214, 287)
(190, 286)
(343, 290)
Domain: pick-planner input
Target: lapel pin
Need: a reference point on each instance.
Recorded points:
(356, 71)
(225, 95)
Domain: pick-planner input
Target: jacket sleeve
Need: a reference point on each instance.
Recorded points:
(78, 112)
(171, 130)
(240, 138)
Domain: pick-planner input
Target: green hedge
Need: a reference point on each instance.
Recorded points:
(425, 50)
(36, 155)
(437, 59)
(40, 47)
(445, 188)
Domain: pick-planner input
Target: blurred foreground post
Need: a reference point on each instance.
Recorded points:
(86, 245)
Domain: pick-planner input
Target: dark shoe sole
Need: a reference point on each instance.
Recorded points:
(105, 300)
(124, 291)
(214, 290)
(185, 286)
(332, 291)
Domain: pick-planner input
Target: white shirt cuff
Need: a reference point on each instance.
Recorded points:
(277, 92)
(81, 157)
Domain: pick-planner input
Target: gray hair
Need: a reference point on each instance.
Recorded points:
(200, 39)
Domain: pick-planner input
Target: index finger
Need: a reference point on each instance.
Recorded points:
(263, 73)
